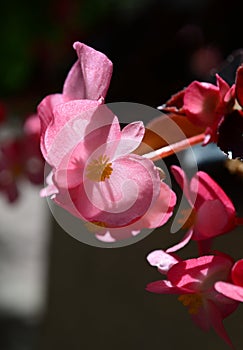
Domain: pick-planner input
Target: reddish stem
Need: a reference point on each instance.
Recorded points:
(175, 147)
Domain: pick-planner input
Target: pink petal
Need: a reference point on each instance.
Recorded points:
(160, 212)
(124, 197)
(222, 85)
(68, 127)
(217, 322)
(45, 113)
(205, 188)
(206, 226)
(89, 78)
(239, 85)
(131, 137)
(237, 273)
(200, 103)
(163, 287)
(181, 179)
(201, 273)
(186, 239)
(229, 290)
(161, 260)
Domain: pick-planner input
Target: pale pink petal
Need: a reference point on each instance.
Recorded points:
(131, 137)
(200, 103)
(68, 127)
(49, 191)
(89, 78)
(186, 239)
(162, 260)
(229, 290)
(124, 197)
(160, 212)
(45, 113)
(107, 238)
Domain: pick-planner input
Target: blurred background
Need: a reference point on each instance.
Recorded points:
(55, 292)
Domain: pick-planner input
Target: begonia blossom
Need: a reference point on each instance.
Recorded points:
(98, 178)
(193, 280)
(216, 108)
(204, 197)
(95, 175)
(234, 288)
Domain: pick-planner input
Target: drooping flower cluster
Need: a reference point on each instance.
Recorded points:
(212, 284)
(96, 176)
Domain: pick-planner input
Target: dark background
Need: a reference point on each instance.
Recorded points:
(96, 297)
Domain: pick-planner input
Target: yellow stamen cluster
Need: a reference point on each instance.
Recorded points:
(99, 169)
(192, 301)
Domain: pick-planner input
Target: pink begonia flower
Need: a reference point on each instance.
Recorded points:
(204, 104)
(88, 79)
(217, 108)
(97, 177)
(234, 288)
(193, 280)
(205, 197)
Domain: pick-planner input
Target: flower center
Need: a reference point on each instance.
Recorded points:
(188, 218)
(192, 301)
(99, 169)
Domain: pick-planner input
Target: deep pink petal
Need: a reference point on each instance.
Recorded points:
(229, 290)
(223, 86)
(208, 225)
(201, 273)
(200, 103)
(217, 322)
(237, 273)
(89, 78)
(205, 188)
(163, 287)
(239, 85)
